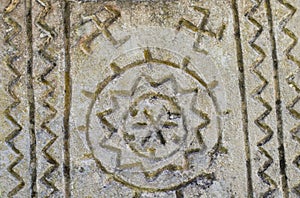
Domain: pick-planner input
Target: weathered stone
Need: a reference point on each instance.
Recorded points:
(159, 98)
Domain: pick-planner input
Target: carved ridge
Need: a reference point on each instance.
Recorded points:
(256, 94)
(51, 60)
(290, 79)
(10, 59)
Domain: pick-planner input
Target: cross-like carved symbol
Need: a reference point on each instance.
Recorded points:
(201, 29)
(102, 28)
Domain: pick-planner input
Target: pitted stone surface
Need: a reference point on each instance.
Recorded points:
(149, 98)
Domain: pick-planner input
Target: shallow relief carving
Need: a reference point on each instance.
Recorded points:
(149, 98)
(154, 122)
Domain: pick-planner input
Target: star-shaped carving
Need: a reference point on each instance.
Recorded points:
(130, 147)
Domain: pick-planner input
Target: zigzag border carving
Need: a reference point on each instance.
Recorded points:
(14, 29)
(52, 62)
(290, 79)
(256, 94)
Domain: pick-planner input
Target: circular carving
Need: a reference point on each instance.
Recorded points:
(155, 126)
(152, 124)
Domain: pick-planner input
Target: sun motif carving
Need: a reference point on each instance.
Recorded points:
(152, 125)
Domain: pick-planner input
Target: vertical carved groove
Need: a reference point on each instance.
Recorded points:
(9, 60)
(50, 90)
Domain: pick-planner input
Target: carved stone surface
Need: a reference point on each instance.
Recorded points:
(153, 98)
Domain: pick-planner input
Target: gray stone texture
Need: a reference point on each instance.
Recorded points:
(177, 98)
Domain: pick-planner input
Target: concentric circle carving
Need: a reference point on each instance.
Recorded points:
(152, 124)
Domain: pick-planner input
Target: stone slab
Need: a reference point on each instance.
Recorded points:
(153, 98)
